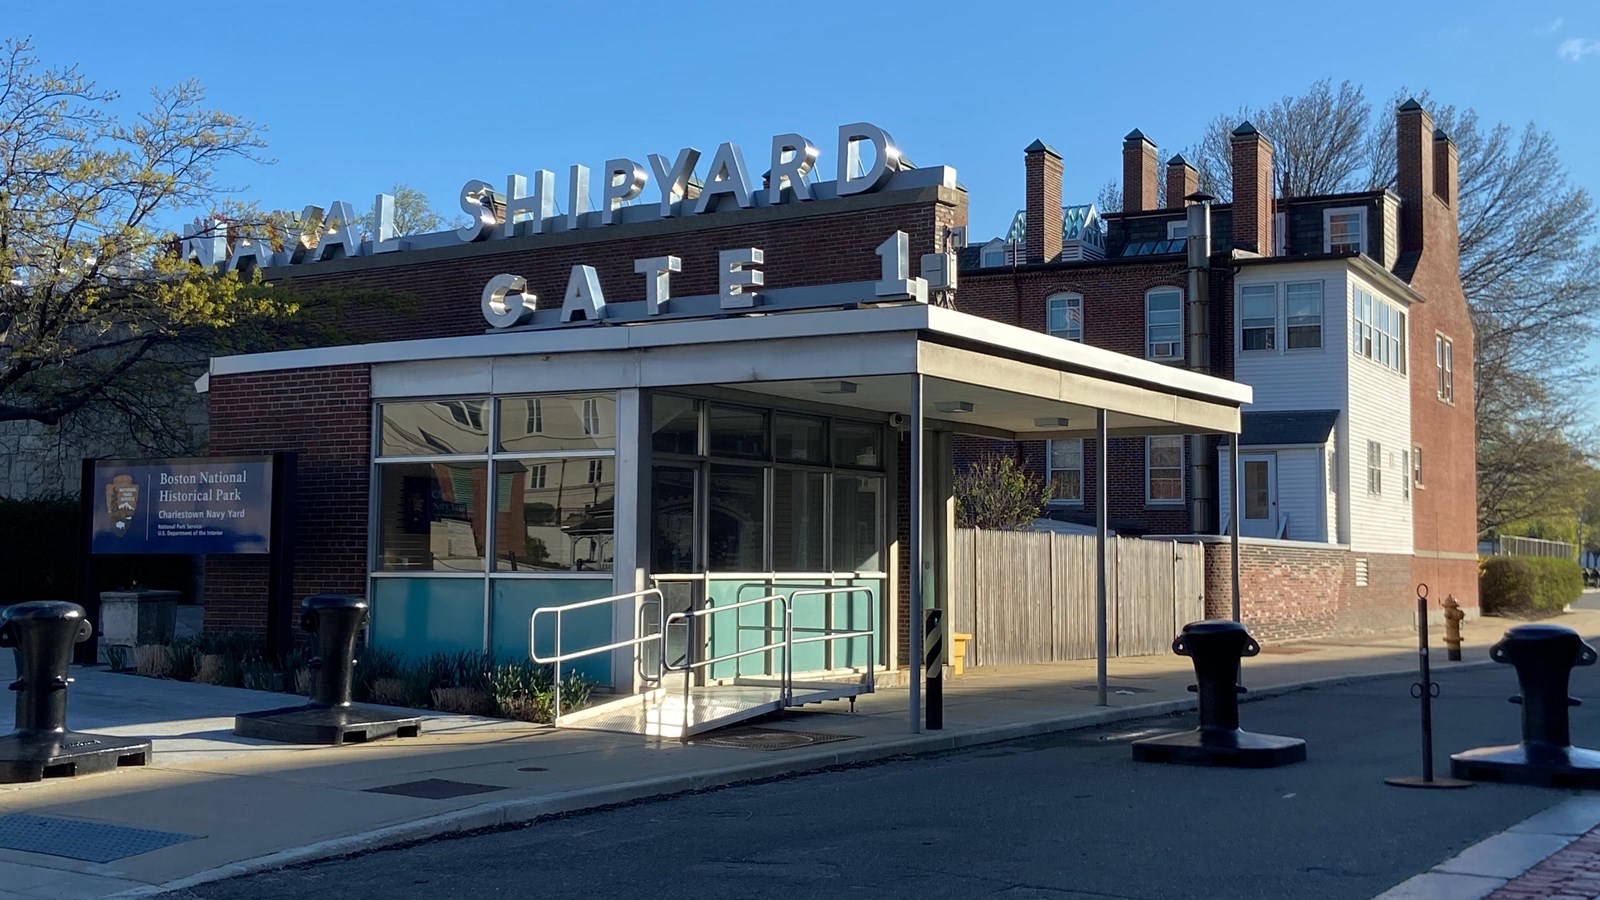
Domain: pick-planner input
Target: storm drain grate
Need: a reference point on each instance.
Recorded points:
(88, 841)
(750, 738)
(435, 789)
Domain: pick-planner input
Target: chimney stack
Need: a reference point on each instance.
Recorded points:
(1042, 214)
(1414, 173)
(1139, 165)
(1252, 190)
(1446, 162)
(1182, 180)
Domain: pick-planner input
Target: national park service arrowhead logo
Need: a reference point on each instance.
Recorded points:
(122, 500)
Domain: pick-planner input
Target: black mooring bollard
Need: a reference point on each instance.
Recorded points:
(1544, 656)
(1216, 646)
(1424, 690)
(329, 717)
(41, 635)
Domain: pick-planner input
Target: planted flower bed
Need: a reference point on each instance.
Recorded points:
(468, 682)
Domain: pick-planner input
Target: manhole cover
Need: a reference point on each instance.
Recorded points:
(435, 789)
(88, 841)
(1113, 688)
(766, 739)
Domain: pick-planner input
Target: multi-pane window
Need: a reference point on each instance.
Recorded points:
(1066, 316)
(1445, 367)
(537, 477)
(466, 412)
(1374, 467)
(536, 416)
(1405, 480)
(1163, 324)
(1416, 466)
(1377, 330)
(597, 471)
(1258, 316)
(1345, 230)
(1163, 466)
(1177, 229)
(591, 417)
(1303, 303)
(993, 258)
(1066, 471)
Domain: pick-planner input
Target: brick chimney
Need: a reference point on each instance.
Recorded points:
(1139, 165)
(1252, 190)
(1414, 176)
(1043, 198)
(1182, 180)
(1446, 163)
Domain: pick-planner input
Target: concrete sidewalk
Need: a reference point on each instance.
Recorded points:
(233, 806)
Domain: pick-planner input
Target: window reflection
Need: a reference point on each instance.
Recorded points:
(555, 514)
(431, 516)
(434, 427)
(558, 422)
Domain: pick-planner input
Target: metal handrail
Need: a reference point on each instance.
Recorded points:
(559, 657)
(829, 634)
(688, 617)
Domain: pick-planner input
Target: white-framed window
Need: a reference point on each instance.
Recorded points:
(1405, 474)
(1303, 307)
(468, 413)
(535, 416)
(1374, 468)
(537, 476)
(597, 471)
(994, 258)
(1444, 364)
(1163, 469)
(591, 417)
(1163, 324)
(1344, 230)
(1377, 330)
(1258, 317)
(1416, 466)
(1065, 312)
(1178, 228)
(1066, 471)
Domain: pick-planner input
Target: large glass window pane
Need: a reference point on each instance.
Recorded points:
(797, 528)
(1258, 316)
(558, 422)
(857, 523)
(431, 516)
(434, 427)
(735, 431)
(555, 514)
(672, 520)
(736, 521)
(675, 424)
(1303, 304)
(857, 444)
(800, 439)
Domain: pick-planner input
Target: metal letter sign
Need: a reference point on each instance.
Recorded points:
(735, 278)
(507, 302)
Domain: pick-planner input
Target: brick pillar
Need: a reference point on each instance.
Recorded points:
(1252, 190)
(1182, 180)
(1413, 171)
(1139, 175)
(1043, 202)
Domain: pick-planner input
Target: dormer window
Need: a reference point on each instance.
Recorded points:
(1178, 228)
(994, 258)
(1344, 230)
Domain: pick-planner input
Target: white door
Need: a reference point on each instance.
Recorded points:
(1260, 499)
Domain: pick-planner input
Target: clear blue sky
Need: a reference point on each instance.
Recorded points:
(357, 96)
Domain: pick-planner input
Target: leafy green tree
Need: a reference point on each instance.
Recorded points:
(997, 494)
(413, 214)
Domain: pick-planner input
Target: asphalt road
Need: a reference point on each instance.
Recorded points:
(1589, 600)
(1064, 816)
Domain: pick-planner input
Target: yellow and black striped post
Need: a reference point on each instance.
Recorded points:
(933, 658)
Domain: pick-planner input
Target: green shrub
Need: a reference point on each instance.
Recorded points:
(1528, 586)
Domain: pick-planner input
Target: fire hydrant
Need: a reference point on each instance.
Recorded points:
(1452, 627)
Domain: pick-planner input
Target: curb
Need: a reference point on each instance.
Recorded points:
(517, 812)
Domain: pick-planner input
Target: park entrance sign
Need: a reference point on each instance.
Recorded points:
(190, 506)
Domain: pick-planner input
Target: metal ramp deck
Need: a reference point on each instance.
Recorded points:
(676, 707)
(670, 713)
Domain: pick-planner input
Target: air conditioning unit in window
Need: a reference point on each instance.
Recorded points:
(1164, 351)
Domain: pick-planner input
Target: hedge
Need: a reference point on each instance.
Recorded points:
(1528, 586)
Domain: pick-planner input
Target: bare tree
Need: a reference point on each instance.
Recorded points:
(1320, 140)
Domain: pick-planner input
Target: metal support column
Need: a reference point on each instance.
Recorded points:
(1100, 548)
(1235, 517)
(914, 662)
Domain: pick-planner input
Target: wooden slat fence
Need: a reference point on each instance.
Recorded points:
(1028, 596)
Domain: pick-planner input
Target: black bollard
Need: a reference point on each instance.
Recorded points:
(1425, 689)
(1216, 646)
(1544, 656)
(41, 635)
(330, 717)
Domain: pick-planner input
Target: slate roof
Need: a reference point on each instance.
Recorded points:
(1277, 429)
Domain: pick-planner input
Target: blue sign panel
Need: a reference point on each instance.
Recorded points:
(192, 506)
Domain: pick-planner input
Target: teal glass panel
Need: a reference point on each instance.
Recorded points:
(418, 616)
(732, 630)
(515, 599)
(861, 610)
(809, 615)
